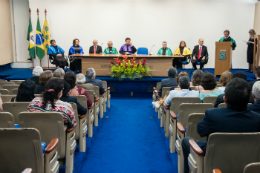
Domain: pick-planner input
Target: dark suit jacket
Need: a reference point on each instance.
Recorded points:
(221, 100)
(227, 120)
(98, 83)
(98, 51)
(204, 51)
(252, 83)
(38, 89)
(69, 99)
(255, 107)
(169, 82)
(35, 79)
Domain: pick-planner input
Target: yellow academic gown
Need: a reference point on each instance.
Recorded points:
(186, 51)
(178, 61)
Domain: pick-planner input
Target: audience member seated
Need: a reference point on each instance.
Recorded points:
(257, 76)
(183, 73)
(25, 92)
(50, 102)
(169, 82)
(44, 77)
(80, 78)
(66, 98)
(70, 78)
(236, 118)
(59, 73)
(224, 79)
(36, 73)
(209, 84)
(91, 75)
(256, 95)
(184, 84)
(196, 78)
(220, 99)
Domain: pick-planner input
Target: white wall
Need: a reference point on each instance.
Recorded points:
(21, 22)
(147, 22)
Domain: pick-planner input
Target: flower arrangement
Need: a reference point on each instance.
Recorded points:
(129, 68)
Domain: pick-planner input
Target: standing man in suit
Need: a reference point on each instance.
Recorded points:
(199, 54)
(236, 118)
(127, 48)
(96, 49)
(169, 82)
(91, 75)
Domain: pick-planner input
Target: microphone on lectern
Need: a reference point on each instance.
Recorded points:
(151, 50)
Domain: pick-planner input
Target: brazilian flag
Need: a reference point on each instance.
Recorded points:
(30, 38)
(39, 41)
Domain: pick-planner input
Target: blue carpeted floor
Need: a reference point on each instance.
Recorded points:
(130, 140)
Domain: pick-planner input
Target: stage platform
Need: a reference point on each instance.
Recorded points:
(125, 88)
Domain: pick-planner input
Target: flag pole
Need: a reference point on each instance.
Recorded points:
(34, 47)
(38, 17)
(45, 11)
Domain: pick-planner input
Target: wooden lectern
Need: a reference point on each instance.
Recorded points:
(223, 57)
(256, 52)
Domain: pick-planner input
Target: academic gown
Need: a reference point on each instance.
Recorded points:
(58, 61)
(234, 45)
(110, 50)
(168, 51)
(127, 48)
(183, 51)
(75, 64)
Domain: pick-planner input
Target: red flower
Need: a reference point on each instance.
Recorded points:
(144, 62)
(138, 64)
(111, 62)
(132, 65)
(126, 65)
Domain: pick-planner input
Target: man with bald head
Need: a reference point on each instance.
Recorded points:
(96, 49)
(199, 54)
(110, 49)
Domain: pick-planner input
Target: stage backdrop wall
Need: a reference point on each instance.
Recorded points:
(148, 22)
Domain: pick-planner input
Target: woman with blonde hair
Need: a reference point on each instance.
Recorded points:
(250, 50)
(224, 79)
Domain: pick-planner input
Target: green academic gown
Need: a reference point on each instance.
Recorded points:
(168, 51)
(114, 51)
(234, 45)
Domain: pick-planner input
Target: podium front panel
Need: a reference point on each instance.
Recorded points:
(223, 57)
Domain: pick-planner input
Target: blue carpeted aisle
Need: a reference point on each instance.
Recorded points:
(129, 141)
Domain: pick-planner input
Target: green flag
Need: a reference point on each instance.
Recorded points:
(39, 41)
(30, 38)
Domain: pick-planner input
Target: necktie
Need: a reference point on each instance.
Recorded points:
(199, 53)
(95, 49)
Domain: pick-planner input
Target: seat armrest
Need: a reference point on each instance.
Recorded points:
(91, 106)
(216, 171)
(180, 128)
(82, 116)
(101, 95)
(167, 107)
(173, 115)
(108, 88)
(68, 130)
(52, 145)
(196, 148)
(96, 99)
(27, 170)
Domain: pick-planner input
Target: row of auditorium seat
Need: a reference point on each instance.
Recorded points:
(180, 120)
(22, 146)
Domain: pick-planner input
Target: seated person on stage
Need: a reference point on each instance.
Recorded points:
(169, 82)
(110, 49)
(50, 102)
(44, 77)
(59, 73)
(127, 48)
(75, 64)
(36, 73)
(66, 98)
(209, 84)
(25, 92)
(56, 53)
(70, 78)
(225, 77)
(164, 50)
(184, 84)
(256, 95)
(236, 118)
(96, 49)
(196, 78)
(199, 54)
(182, 50)
(240, 75)
(228, 39)
(91, 75)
